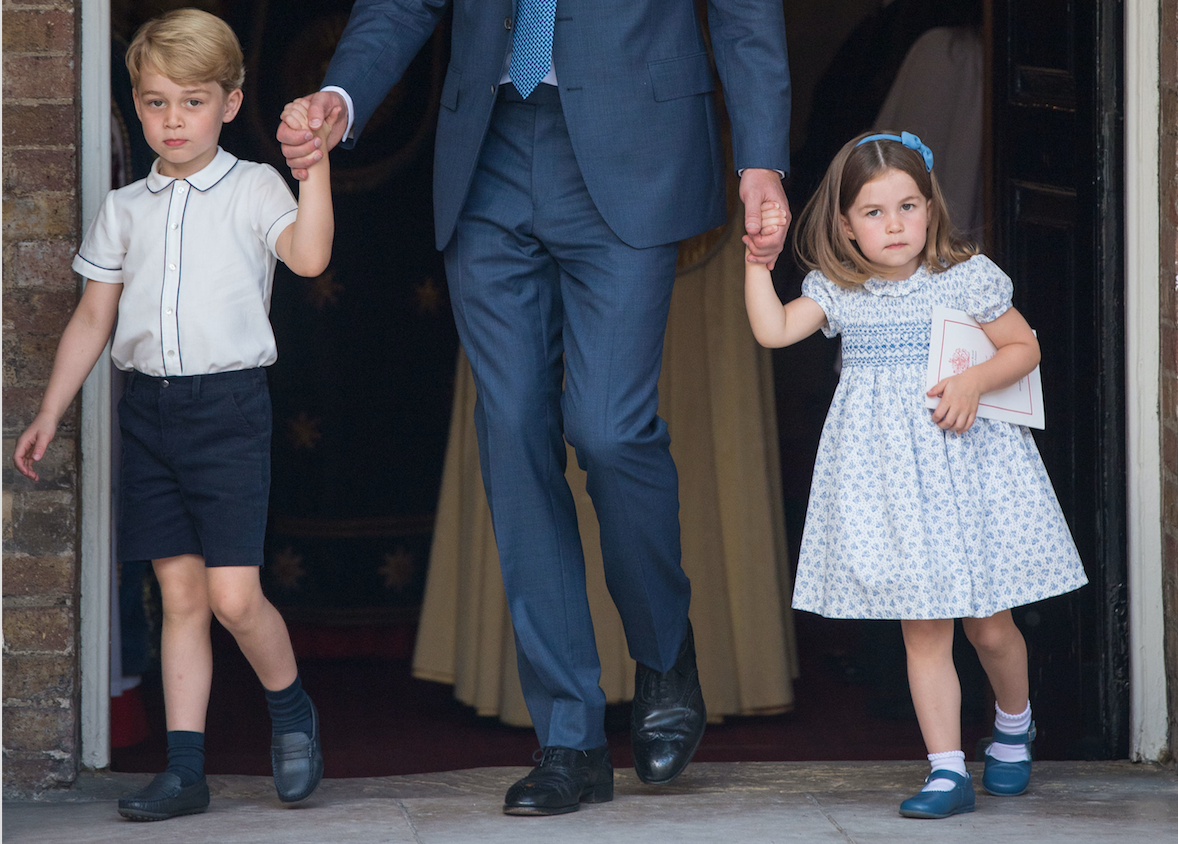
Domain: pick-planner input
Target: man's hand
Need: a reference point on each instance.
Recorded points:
(758, 187)
(300, 146)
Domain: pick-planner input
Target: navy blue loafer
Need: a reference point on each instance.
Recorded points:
(164, 797)
(941, 804)
(297, 759)
(1007, 779)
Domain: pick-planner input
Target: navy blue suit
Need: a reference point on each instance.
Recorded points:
(559, 217)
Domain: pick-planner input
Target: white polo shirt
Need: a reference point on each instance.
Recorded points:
(196, 260)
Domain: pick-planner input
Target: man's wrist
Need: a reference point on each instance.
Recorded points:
(347, 106)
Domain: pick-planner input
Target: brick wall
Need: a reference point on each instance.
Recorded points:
(1168, 190)
(40, 534)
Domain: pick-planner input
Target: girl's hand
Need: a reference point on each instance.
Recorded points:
(959, 402)
(32, 443)
(772, 217)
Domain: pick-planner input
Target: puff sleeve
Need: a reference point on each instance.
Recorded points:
(987, 290)
(822, 290)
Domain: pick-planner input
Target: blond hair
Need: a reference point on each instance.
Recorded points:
(189, 47)
(822, 244)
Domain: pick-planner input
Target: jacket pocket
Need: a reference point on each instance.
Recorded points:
(450, 89)
(685, 76)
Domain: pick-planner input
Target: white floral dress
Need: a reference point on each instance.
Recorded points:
(905, 520)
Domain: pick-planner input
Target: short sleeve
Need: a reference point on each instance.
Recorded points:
(100, 257)
(822, 290)
(987, 291)
(276, 207)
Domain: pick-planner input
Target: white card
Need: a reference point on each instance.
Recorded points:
(957, 343)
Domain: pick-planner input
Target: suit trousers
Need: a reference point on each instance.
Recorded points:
(563, 324)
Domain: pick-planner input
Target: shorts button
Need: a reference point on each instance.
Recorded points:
(164, 383)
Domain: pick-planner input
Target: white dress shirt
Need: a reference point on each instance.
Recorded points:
(196, 259)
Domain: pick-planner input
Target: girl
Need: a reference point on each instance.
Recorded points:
(923, 516)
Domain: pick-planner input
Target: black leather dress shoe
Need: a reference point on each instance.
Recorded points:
(564, 779)
(164, 797)
(298, 762)
(668, 717)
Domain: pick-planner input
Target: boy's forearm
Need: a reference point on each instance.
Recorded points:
(80, 347)
(313, 230)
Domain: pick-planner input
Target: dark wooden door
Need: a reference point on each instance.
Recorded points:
(1058, 230)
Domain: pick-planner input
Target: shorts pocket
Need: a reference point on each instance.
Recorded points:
(252, 408)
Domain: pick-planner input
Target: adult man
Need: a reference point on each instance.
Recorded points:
(575, 147)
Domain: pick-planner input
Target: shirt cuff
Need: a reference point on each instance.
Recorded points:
(740, 172)
(351, 108)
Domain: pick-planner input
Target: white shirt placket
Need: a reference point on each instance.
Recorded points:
(170, 295)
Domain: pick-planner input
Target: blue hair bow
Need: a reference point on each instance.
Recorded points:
(909, 140)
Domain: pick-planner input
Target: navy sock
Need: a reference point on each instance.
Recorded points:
(186, 755)
(290, 709)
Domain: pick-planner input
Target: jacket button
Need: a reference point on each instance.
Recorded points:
(507, 23)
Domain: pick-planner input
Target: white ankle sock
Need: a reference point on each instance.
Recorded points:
(950, 760)
(1004, 722)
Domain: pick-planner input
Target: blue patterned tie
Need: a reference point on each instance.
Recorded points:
(531, 44)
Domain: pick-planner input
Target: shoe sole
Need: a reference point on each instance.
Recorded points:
(934, 817)
(1004, 793)
(597, 794)
(144, 815)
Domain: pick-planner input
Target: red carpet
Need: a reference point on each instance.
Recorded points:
(379, 721)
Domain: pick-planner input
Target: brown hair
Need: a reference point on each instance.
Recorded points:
(821, 244)
(189, 47)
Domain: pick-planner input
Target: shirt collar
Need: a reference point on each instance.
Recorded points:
(202, 179)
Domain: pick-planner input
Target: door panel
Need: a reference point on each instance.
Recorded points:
(1057, 159)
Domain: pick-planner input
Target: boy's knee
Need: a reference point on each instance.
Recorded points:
(180, 606)
(234, 609)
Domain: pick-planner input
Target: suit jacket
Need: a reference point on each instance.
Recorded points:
(636, 88)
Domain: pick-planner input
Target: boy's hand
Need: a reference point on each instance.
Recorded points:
(297, 115)
(31, 446)
(958, 409)
(300, 145)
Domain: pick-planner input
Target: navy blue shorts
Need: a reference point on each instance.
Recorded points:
(196, 467)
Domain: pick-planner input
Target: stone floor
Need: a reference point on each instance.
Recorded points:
(838, 802)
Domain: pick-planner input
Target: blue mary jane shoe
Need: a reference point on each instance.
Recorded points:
(1007, 779)
(941, 804)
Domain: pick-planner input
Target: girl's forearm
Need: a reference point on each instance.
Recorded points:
(766, 313)
(1010, 364)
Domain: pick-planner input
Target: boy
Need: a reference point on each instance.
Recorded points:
(185, 259)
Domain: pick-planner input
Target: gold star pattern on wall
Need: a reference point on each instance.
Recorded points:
(397, 570)
(286, 566)
(303, 431)
(323, 290)
(429, 296)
